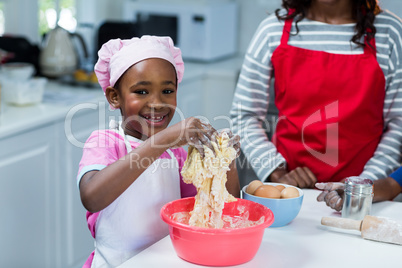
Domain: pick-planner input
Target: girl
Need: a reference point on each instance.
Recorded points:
(336, 66)
(128, 173)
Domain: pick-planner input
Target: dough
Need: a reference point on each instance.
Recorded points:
(208, 175)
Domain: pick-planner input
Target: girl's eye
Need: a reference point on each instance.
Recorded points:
(168, 91)
(140, 92)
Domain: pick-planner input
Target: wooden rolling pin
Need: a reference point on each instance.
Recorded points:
(371, 227)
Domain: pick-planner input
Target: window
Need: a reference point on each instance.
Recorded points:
(48, 15)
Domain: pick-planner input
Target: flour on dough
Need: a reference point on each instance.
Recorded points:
(208, 175)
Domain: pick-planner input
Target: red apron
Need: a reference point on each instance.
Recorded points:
(330, 108)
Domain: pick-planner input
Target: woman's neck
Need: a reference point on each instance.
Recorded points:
(331, 11)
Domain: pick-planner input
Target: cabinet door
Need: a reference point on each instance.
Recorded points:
(28, 210)
(74, 131)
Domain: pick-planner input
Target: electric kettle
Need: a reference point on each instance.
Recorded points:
(58, 56)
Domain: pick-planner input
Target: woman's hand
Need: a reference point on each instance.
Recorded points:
(300, 177)
(332, 194)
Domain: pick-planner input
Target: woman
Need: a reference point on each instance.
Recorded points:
(337, 78)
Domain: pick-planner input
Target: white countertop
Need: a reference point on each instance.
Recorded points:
(60, 98)
(302, 243)
(15, 119)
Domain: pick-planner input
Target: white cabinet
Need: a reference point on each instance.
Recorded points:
(43, 222)
(28, 200)
(77, 242)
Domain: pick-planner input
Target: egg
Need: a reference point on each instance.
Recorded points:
(267, 191)
(280, 187)
(289, 192)
(252, 186)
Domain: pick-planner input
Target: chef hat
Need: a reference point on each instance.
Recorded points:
(116, 56)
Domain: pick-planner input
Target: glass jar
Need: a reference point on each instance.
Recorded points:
(358, 198)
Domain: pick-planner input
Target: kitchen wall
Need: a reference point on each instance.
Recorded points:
(21, 21)
(93, 12)
(251, 13)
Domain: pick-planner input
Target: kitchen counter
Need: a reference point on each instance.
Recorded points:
(58, 100)
(302, 243)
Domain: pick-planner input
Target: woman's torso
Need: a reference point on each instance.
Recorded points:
(314, 35)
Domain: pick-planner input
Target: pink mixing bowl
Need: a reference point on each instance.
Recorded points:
(217, 247)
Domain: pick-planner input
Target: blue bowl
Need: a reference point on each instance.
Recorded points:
(285, 210)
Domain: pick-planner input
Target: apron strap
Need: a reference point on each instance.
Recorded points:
(173, 157)
(113, 124)
(367, 48)
(286, 31)
(171, 154)
(287, 28)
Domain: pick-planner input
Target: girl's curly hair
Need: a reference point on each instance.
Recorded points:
(364, 12)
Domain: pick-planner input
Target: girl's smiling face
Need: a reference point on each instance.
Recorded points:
(146, 96)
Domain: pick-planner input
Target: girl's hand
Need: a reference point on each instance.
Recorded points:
(332, 194)
(192, 131)
(300, 177)
(234, 140)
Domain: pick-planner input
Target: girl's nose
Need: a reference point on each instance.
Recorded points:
(155, 101)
